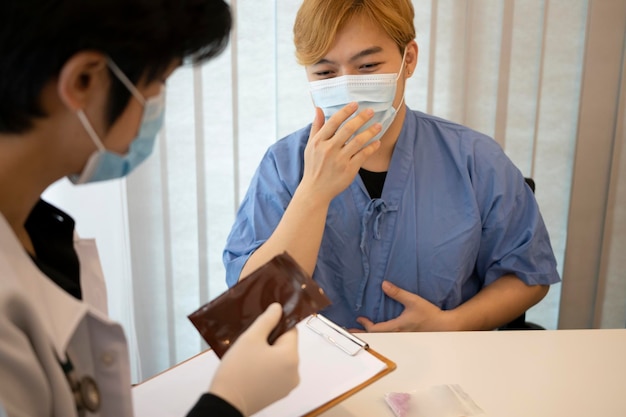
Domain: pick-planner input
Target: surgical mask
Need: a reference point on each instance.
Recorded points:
(105, 165)
(375, 91)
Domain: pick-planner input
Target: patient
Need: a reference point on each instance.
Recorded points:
(407, 221)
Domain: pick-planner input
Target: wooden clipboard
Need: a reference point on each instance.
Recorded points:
(174, 391)
(351, 345)
(391, 366)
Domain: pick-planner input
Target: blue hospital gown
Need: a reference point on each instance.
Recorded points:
(455, 215)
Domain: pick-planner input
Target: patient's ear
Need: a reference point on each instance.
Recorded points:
(82, 78)
(410, 59)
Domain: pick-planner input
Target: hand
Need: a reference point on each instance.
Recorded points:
(254, 374)
(419, 314)
(330, 164)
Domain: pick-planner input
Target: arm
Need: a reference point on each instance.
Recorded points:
(330, 166)
(495, 305)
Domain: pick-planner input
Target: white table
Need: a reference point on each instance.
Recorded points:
(550, 373)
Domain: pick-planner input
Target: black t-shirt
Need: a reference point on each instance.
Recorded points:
(373, 181)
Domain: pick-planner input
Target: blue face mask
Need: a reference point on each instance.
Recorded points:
(105, 165)
(375, 91)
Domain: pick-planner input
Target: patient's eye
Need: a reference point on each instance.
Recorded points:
(323, 74)
(370, 67)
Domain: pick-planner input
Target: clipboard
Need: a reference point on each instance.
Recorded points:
(174, 391)
(337, 331)
(330, 404)
(326, 351)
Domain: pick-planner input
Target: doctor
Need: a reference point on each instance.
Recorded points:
(82, 87)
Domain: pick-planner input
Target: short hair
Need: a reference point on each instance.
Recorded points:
(143, 37)
(318, 22)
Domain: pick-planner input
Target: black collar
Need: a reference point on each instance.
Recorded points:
(52, 234)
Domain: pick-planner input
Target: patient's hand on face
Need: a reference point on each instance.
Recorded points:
(331, 158)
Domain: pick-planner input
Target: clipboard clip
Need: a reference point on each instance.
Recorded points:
(335, 334)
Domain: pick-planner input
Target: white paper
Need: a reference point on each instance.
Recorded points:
(174, 392)
(326, 372)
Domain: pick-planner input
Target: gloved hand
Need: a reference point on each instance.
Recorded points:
(253, 374)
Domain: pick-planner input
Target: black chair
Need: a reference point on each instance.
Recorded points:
(520, 323)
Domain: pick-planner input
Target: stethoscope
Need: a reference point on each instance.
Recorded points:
(85, 390)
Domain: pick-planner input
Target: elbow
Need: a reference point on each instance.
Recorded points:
(539, 292)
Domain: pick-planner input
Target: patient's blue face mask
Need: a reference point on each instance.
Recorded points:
(105, 165)
(375, 91)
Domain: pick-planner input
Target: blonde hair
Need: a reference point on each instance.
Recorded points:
(318, 22)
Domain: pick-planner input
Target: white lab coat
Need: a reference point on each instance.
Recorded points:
(40, 322)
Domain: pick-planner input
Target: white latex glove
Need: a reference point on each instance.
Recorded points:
(254, 374)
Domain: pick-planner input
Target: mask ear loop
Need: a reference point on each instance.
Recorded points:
(124, 79)
(402, 65)
(398, 77)
(90, 131)
(128, 84)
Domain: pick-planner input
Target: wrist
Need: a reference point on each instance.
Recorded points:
(311, 196)
(450, 321)
(231, 396)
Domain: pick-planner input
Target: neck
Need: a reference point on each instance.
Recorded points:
(22, 180)
(15, 208)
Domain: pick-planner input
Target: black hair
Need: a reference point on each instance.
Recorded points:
(143, 37)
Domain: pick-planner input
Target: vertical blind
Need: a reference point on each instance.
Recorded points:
(512, 69)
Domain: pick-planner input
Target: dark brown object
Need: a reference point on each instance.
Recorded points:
(222, 320)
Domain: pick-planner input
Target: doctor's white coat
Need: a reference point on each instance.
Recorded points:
(40, 323)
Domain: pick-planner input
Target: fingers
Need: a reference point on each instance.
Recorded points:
(355, 330)
(336, 120)
(266, 322)
(359, 153)
(365, 322)
(318, 122)
(341, 127)
(397, 293)
(287, 339)
(385, 326)
(345, 136)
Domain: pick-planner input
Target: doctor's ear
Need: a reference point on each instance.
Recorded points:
(82, 77)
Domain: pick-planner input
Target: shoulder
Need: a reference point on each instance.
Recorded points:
(285, 157)
(465, 150)
(461, 144)
(452, 132)
(292, 144)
